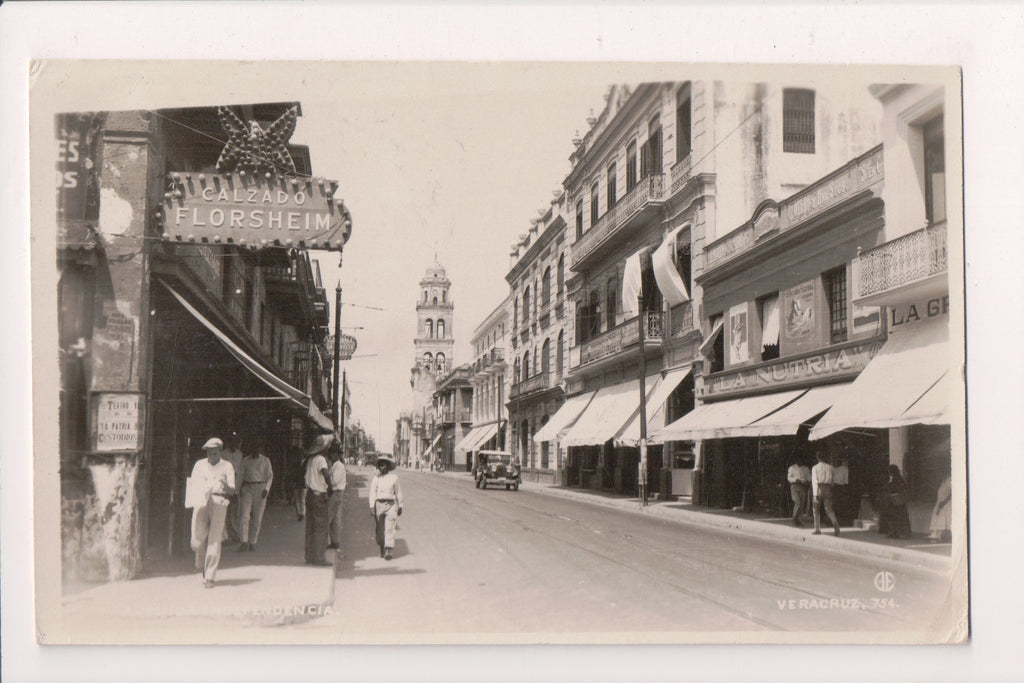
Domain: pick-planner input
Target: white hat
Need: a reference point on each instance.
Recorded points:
(213, 443)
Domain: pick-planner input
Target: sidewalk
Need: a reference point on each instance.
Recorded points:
(916, 551)
(269, 586)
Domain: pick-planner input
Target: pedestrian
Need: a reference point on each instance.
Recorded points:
(213, 480)
(317, 488)
(298, 481)
(799, 478)
(841, 492)
(894, 519)
(942, 518)
(257, 476)
(233, 454)
(385, 504)
(821, 487)
(335, 502)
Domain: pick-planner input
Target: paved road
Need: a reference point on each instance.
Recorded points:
(506, 566)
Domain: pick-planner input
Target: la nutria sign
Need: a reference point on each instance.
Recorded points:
(255, 210)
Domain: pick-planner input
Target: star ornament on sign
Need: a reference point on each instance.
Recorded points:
(252, 149)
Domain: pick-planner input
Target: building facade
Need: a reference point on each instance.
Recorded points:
(665, 170)
(166, 341)
(540, 336)
(434, 346)
(453, 417)
(490, 386)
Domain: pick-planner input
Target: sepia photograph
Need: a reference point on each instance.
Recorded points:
(454, 351)
(310, 355)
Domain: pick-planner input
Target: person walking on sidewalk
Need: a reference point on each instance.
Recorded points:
(317, 488)
(232, 452)
(257, 476)
(821, 487)
(799, 477)
(213, 480)
(338, 479)
(385, 504)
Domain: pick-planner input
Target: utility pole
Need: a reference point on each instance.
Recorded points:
(642, 474)
(341, 412)
(337, 350)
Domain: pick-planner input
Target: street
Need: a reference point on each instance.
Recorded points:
(525, 566)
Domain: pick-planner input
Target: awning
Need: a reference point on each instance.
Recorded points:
(665, 272)
(605, 416)
(480, 436)
(726, 419)
(789, 418)
(466, 444)
(564, 418)
(432, 444)
(910, 381)
(656, 397)
(715, 331)
(266, 376)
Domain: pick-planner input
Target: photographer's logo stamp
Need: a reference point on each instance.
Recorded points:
(885, 581)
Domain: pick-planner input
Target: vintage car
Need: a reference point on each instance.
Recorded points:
(497, 468)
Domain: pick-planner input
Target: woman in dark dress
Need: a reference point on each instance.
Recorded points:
(895, 520)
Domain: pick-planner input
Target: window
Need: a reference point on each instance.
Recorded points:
(428, 360)
(798, 121)
(545, 357)
(559, 359)
(611, 186)
(581, 321)
(545, 286)
(526, 366)
(435, 301)
(934, 172)
(684, 263)
(835, 290)
(526, 306)
(595, 210)
(516, 372)
(440, 329)
(579, 219)
(768, 309)
(630, 166)
(684, 133)
(650, 153)
(444, 295)
(717, 360)
(440, 362)
(611, 295)
(424, 296)
(428, 327)
(561, 273)
(515, 310)
(594, 314)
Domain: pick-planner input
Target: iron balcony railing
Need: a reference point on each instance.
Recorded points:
(536, 383)
(903, 261)
(621, 337)
(650, 189)
(681, 318)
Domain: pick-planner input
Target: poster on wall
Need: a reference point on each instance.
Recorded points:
(739, 349)
(798, 319)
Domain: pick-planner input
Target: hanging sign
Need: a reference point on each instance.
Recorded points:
(255, 210)
(346, 347)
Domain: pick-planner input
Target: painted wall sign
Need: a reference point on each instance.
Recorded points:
(831, 364)
(799, 319)
(916, 312)
(118, 421)
(255, 211)
(739, 348)
(76, 182)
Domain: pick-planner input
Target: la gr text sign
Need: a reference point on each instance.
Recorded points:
(118, 421)
(255, 211)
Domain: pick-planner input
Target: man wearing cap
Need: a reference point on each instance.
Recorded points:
(385, 504)
(317, 489)
(257, 476)
(214, 478)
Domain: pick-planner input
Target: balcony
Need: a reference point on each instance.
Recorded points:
(681, 319)
(450, 416)
(534, 384)
(621, 338)
(904, 270)
(613, 225)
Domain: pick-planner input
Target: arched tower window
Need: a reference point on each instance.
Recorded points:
(435, 301)
(428, 361)
(440, 329)
(429, 328)
(424, 296)
(440, 362)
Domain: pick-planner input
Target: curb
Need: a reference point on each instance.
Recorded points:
(914, 558)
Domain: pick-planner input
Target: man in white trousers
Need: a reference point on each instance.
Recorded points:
(257, 476)
(214, 480)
